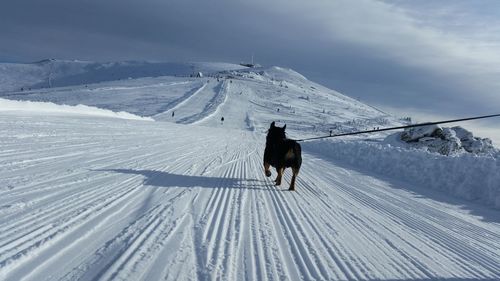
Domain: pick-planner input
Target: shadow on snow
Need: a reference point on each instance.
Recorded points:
(166, 179)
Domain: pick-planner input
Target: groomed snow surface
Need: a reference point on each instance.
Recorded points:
(94, 197)
(467, 176)
(37, 108)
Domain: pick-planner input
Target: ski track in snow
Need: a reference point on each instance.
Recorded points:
(96, 199)
(89, 198)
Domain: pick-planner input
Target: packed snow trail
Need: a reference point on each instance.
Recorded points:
(87, 198)
(201, 104)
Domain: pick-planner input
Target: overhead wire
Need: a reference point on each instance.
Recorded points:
(401, 127)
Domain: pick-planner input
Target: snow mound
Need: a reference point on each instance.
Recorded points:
(48, 107)
(281, 73)
(468, 176)
(446, 141)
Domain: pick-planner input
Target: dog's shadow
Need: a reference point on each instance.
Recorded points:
(166, 179)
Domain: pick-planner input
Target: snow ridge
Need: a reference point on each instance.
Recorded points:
(467, 176)
(29, 107)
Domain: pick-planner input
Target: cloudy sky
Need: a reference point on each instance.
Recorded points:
(426, 58)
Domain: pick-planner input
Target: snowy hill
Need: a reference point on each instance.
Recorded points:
(268, 93)
(56, 73)
(92, 189)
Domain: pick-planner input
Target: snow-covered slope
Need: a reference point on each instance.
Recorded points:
(245, 97)
(47, 108)
(56, 73)
(86, 197)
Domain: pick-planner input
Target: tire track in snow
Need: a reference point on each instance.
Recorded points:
(174, 105)
(185, 207)
(67, 244)
(116, 253)
(76, 195)
(276, 262)
(294, 234)
(321, 225)
(53, 182)
(359, 224)
(31, 244)
(48, 180)
(173, 262)
(309, 260)
(213, 108)
(440, 237)
(399, 212)
(364, 266)
(219, 222)
(71, 205)
(148, 243)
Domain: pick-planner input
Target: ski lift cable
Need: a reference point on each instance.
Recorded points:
(401, 127)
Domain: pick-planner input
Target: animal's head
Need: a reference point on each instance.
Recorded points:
(275, 133)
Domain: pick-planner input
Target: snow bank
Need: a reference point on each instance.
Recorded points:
(468, 176)
(48, 107)
(447, 141)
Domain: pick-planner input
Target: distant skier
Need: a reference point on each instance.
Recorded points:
(173, 113)
(222, 120)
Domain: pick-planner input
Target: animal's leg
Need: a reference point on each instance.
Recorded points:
(292, 184)
(280, 175)
(266, 169)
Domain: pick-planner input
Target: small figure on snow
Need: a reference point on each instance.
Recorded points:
(173, 113)
(222, 120)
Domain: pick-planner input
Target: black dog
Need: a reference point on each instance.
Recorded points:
(281, 153)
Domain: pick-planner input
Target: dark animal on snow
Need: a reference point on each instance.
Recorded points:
(281, 153)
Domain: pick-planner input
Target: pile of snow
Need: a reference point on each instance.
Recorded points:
(51, 108)
(469, 176)
(446, 141)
